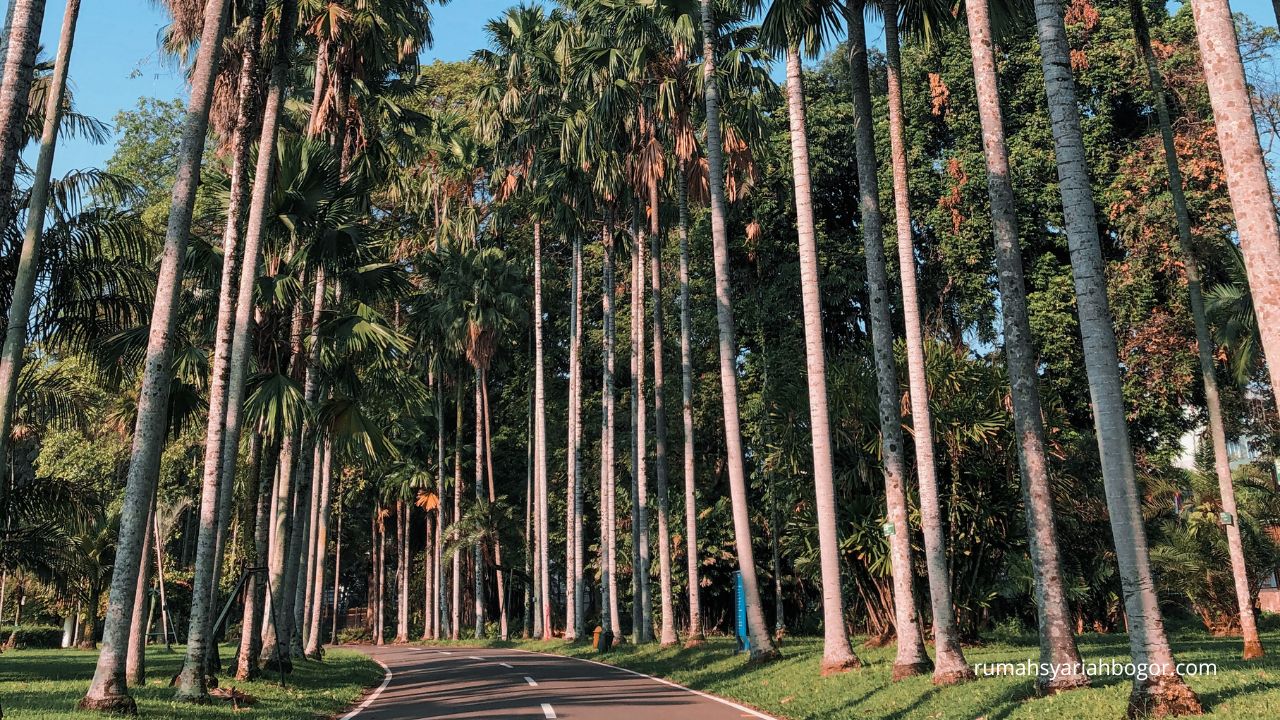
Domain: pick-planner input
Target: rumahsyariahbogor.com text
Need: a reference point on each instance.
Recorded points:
(1138, 671)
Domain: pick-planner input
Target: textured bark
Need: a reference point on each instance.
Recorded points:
(540, 440)
(575, 623)
(762, 646)
(667, 632)
(1254, 210)
(455, 617)
(477, 550)
(949, 663)
(135, 672)
(438, 617)
(1222, 466)
(1057, 642)
(218, 487)
(692, 561)
(837, 653)
(642, 607)
(24, 283)
(402, 572)
(608, 585)
(250, 651)
(911, 658)
(107, 692)
(501, 587)
(315, 642)
(1147, 641)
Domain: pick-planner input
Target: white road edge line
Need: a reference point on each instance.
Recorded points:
(531, 681)
(476, 657)
(722, 701)
(548, 711)
(386, 680)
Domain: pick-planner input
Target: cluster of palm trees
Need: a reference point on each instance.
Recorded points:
(360, 279)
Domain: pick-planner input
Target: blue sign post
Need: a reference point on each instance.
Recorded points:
(740, 613)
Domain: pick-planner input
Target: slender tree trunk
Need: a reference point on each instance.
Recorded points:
(337, 572)
(572, 628)
(532, 620)
(641, 600)
(28, 271)
(692, 560)
(217, 488)
(762, 646)
(503, 631)
(950, 665)
(455, 625)
(1057, 643)
(108, 692)
(1163, 692)
(313, 525)
(136, 662)
(477, 551)
(608, 594)
(911, 658)
(315, 641)
(242, 343)
(540, 439)
(437, 617)
(250, 652)
(380, 535)
(837, 653)
(667, 634)
(402, 571)
(164, 599)
(575, 458)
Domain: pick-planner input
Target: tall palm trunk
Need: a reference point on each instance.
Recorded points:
(380, 570)
(500, 587)
(540, 439)
(762, 646)
(217, 487)
(402, 571)
(439, 616)
(1251, 200)
(455, 617)
(911, 658)
(477, 550)
(608, 584)
(315, 649)
(136, 662)
(692, 561)
(575, 624)
(24, 284)
(642, 628)
(837, 654)
(1164, 693)
(950, 665)
(667, 632)
(1205, 345)
(1057, 643)
(107, 692)
(250, 651)
(20, 43)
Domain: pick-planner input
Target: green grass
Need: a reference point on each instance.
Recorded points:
(47, 684)
(791, 688)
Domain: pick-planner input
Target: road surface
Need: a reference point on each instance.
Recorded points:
(492, 684)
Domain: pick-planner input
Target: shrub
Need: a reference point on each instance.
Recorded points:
(34, 636)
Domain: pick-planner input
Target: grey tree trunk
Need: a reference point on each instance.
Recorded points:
(642, 608)
(540, 440)
(950, 665)
(608, 585)
(439, 615)
(1057, 643)
(477, 550)
(762, 646)
(1164, 692)
(136, 662)
(911, 658)
(24, 283)
(837, 653)
(455, 618)
(315, 640)
(500, 586)
(575, 623)
(250, 651)
(686, 414)
(402, 572)
(217, 487)
(667, 632)
(108, 692)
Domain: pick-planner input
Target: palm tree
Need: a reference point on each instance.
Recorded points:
(641, 606)
(911, 657)
(21, 41)
(107, 691)
(1204, 343)
(1057, 643)
(837, 654)
(24, 286)
(1164, 692)
(694, 633)
(762, 646)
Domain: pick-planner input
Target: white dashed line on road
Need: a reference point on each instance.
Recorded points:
(531, 681)
(548, 711)
(505, 665)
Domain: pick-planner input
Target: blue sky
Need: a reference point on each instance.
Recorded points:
(116, 59)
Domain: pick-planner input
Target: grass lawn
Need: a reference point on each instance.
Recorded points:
(791, 688)
(47, 684)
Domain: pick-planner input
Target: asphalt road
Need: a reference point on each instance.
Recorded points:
(489, 684)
